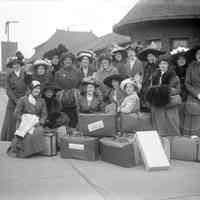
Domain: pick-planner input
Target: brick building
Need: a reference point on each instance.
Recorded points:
(168, 23)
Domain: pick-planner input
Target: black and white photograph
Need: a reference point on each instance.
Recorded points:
(100, 100)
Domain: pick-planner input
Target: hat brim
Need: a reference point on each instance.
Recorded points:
(10, 64)
(192, 52)
(90, 83)
(175, 57)
(108, 81)
(55, 88)
(143, 54)
(128, 81)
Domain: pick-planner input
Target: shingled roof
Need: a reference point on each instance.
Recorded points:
(106, 41)
(155, 10)
(71, 39)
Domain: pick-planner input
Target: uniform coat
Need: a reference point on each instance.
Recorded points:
(16, 87)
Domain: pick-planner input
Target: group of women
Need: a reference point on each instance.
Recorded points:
(50, 93)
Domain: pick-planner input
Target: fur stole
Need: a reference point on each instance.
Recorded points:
(158, 96)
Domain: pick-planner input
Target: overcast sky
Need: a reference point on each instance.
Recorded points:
(38, 20)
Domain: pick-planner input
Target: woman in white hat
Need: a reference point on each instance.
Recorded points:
(131, 103)
(41, 73)
(31, 114)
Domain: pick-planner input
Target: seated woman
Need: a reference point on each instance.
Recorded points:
(56, 119)
(31, 115)
(116, 95)
(131, 103)
(164, 100)
(89, 100)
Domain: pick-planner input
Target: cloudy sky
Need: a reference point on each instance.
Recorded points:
(39, 19)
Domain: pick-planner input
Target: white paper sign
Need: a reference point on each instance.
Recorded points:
(152, 150)
(76, 146)
(95, 126)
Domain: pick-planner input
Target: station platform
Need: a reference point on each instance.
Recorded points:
(53, 178)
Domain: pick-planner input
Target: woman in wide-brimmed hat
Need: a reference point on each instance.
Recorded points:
(131, 103)
(192, 82)
(180, 61)
(54, 55)
(86, 61)
(31, 115)
(40, 72)
(68, 78)
(149, 55)
(16, 87)
(105, 69)
(116, 95)
(165, 99)
(119, 56)
(89, 100)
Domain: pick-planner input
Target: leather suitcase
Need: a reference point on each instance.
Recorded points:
(136, 122)
(152, 150)
(166, 142)
(98, 125)
(50, 148)
(79, 147)
(120, 151)
(186, 148)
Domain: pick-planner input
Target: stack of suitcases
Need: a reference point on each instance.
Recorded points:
(99, 138)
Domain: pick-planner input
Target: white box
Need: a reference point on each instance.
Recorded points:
(152, 151)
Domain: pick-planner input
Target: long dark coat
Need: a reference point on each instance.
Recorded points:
(192, 112)
(16, 87)
(166, 119)
(181, 73)
(149, 70)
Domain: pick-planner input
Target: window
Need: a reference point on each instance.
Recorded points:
(182, 42)
(157, 42)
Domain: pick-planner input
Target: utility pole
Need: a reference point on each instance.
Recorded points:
(7, 28)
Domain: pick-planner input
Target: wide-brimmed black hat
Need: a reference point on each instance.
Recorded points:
(51, 86)
(89, 81)
(117, 77)
(151, 49)
(192, 52)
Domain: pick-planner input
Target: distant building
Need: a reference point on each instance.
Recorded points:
(73, 41)
(7, 49)
(106, 41)
(168, 23)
